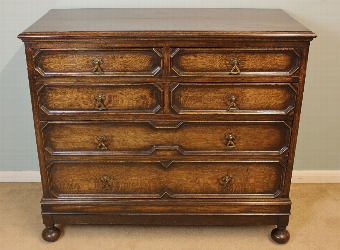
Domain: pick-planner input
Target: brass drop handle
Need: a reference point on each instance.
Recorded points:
(234, 70)
(101, 139)
(97, 69)
(232, 102)
(100, 102)
(226, 179)
(105, 181)
(230, 140)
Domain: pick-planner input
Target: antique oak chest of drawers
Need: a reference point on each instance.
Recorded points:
(166, 116)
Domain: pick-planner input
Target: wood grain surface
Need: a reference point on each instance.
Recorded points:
(123, 62)
(118, 98)
(213, 98)
(142, 117)
(231, 21)
(191, 138)
(203, 61)
(179, 180)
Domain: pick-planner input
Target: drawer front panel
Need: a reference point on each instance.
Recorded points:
(219, 62)
(183, 138)
(187, 98)
(112, 62)
(179, 180)
(103, 98)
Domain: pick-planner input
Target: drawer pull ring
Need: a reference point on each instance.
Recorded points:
(234, 62)
(96, 64)
(101, 139)
(99, 101)
(226, 179)
(105, 181)
(230, 140)
(232, 99)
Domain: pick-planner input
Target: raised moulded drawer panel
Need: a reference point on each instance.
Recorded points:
(101, 62)
(220, 61)
(101, 98)
(240, 179)
(174, 138)
(223, 98)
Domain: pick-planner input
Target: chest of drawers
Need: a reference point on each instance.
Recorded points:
(166, 116)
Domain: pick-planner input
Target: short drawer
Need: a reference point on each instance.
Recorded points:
(231, 61)
(63, 98)
(241, 179)
(99, 62)
(223, 98)
(170, 138)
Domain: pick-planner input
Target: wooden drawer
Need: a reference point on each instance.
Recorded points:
(63, 98)
(219, 61)
(103, 62)
(179, 180)
(170, 138)
(223, 98)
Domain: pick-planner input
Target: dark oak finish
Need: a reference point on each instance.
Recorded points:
(280, 236)
(166, 116)
(150, 180)
(186, 138)
(63, 98)
(81, 62)
(215, 62)
(215, 98)
(230, 21)
(51, 234)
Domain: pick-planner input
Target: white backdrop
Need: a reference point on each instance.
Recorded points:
(319, 137)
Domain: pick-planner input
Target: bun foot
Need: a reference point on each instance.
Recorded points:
(51, 234)
(280, 236)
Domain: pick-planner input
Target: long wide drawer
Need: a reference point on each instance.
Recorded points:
(173, 137)
(101, 61)
(240, 179)
(232, 61)
(224, 98)
(63, 98)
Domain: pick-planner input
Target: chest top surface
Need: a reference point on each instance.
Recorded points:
(69, 23)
